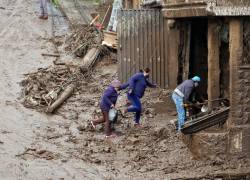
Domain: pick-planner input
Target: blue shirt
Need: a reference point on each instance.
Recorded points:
(138, 83)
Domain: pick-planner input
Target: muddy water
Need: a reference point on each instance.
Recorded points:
(23, 38)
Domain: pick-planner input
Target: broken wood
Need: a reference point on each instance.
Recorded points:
(105, 18)
(51, 55)
(90, 58)
(110, 39)
(94, 20)
(65, 95)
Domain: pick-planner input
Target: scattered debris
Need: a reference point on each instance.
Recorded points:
(51, 55)
(81, 40)
(42, 154)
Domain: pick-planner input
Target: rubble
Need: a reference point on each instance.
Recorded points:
(82, 39)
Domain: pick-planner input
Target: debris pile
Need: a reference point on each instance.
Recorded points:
(42, 88)
(81, 40)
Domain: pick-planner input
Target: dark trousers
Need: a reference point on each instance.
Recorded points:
(135, 107)
(104, 119)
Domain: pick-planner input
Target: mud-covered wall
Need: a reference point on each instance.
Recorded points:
(241, 114)
(239, 123)
(232, 2)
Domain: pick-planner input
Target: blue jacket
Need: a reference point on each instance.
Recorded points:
(138, 83)
(109, 97)
(186, 88)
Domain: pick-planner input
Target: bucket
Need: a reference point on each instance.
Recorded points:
(113, 115)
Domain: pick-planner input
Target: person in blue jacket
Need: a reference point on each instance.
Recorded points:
(137, 85)
(108, 102)
(181, 96)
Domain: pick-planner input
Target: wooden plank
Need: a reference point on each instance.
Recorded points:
(141, 39)
(137, 45)
(119, 55)
(154, 59)
(146, 40)
(182, 12)
(110, 39)
(150, 42)
(162, 52)
(132, 42)
(158, 56)
(166, 53)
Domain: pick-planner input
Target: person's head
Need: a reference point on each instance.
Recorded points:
(116, 84)
(146, 72)
(196, 80)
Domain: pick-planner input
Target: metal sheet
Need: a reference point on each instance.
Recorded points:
(143, 40)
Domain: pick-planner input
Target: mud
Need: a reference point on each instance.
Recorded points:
(62, 146)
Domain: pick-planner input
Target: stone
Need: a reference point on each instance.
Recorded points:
(133, 140)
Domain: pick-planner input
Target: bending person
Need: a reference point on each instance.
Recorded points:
(108, 102)
(181, 96)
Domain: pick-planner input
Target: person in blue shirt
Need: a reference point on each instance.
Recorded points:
(137, 85)
(108, 102)
(181, 96)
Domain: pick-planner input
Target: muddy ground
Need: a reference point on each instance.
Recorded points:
(35, 145)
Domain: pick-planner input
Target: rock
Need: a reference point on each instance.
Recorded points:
(81, 128)
(161, 133)
(97, 161)
(64, 160)
(85, 143)
(150, 115)
(41, 151)
(107, 149)
(96, 104)
(133, 140)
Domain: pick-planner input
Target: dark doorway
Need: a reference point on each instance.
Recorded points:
(198, 53)
(224, 60)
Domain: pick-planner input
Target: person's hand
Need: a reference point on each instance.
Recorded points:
(112, 106)
(130, 91)
(185, 105)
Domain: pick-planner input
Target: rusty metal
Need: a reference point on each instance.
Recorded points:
(142, 36)
(206, 121)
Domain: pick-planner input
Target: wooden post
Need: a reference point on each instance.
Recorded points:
(213, 62)
(236, 48)
(238, 143)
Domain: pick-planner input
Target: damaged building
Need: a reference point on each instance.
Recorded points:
(178, 39)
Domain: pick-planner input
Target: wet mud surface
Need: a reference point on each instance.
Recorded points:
(35, 145)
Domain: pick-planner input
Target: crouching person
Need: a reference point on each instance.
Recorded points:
(108, 102)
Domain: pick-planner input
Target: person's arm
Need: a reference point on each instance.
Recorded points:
(149, 84)
(106, 97)
(124, 86)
